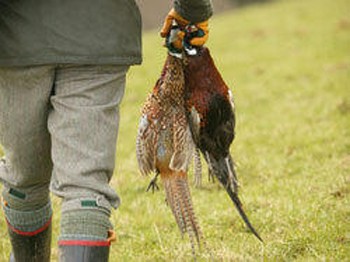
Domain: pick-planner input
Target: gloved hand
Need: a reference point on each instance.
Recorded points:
(197, 33)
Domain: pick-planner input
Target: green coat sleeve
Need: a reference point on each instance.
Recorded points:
(194, 10)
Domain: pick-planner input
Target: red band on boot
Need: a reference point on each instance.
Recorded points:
(101, 243)
(29, 234)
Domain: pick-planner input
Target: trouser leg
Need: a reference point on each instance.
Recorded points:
(25, 170)
(84, 127)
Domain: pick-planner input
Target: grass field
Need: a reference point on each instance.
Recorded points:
(288, 64)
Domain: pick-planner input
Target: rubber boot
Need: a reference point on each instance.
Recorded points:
(83, 253)
(31, 248)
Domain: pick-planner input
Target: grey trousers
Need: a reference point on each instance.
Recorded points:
(59, 124)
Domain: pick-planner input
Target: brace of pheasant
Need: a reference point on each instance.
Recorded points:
(190, 108)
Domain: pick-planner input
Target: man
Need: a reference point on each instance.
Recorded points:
(62, 76)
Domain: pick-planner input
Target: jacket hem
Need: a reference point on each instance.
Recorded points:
(88, 60)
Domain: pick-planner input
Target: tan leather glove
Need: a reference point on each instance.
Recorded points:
(199, 31)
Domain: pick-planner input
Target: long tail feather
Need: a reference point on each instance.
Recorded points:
(238, 204)
(197, 168)
(179, 199)
(224, 170)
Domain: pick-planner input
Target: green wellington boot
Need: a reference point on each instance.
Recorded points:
(83, 253)
(31, 246)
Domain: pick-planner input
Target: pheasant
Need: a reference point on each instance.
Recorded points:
(210, 113)
(165, 146)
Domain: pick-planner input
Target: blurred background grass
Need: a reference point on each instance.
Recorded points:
(288, 65)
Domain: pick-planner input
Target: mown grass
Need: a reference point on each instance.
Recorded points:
(288, 64)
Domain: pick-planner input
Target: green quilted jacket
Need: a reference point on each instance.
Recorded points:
(36, 32)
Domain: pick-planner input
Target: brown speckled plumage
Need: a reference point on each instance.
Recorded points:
(165, 146)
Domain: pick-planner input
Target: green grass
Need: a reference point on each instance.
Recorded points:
(288, 64)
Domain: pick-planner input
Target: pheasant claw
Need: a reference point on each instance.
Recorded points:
(153, 185)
